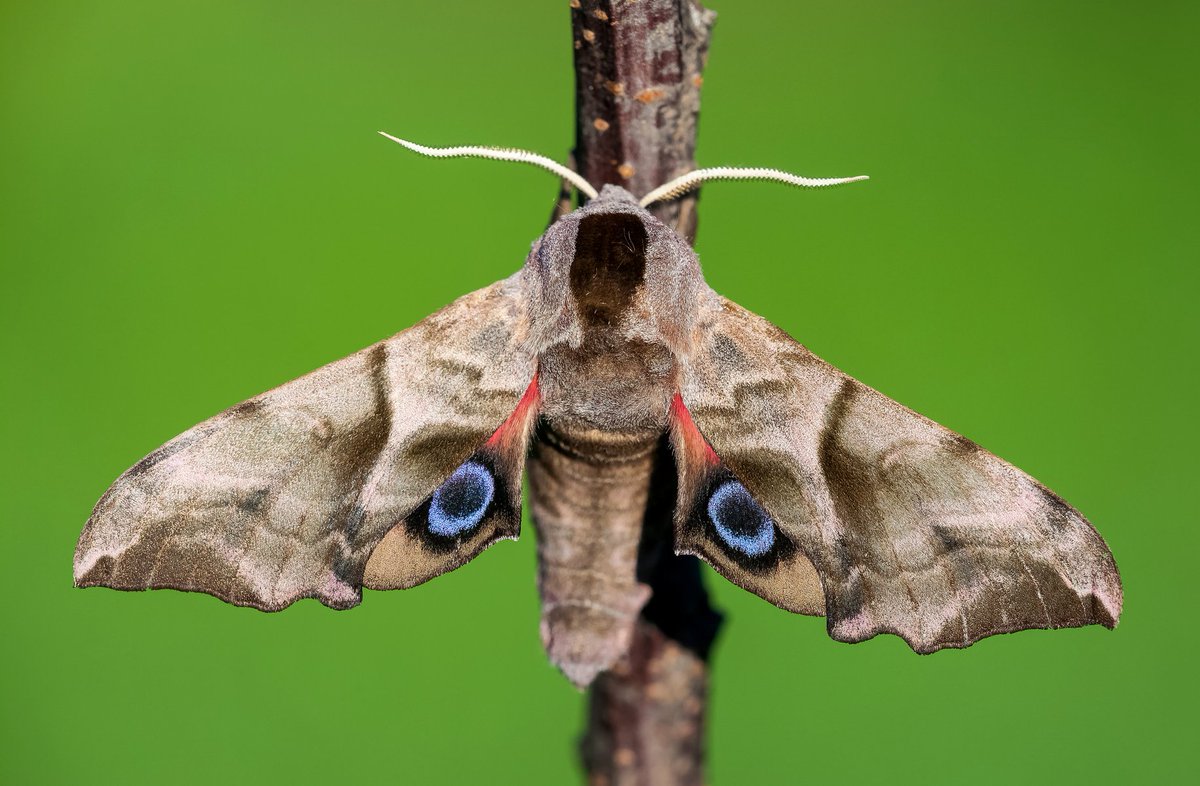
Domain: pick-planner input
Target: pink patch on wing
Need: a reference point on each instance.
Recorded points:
(696, 444)
(333, 591)
(516, 423)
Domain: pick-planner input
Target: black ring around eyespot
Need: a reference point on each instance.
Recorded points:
(739, 520)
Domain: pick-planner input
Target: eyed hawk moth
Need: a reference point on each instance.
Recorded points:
(796, 482)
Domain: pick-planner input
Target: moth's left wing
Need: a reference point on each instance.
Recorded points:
(384, 469)
(822, 495)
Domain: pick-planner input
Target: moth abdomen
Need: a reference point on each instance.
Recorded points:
(588, 493)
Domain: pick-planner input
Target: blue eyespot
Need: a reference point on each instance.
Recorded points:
(459, 504)
(740, 521)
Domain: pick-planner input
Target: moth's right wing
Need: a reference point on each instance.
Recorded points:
(385, 468)
(824, 496)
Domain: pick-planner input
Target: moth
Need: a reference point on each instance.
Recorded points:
(794, 481)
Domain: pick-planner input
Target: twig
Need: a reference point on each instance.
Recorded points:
(638, 66)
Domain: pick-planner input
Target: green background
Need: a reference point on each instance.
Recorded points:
(195, 208)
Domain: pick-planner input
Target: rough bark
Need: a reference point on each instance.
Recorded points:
(638, 66)
(638, 71)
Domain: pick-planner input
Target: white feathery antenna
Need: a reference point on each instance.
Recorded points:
(685, 183)
(500, 154)
(675, 188)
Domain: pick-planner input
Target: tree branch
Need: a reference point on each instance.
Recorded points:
(638, 66)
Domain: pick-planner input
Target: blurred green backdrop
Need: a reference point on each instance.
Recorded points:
(195, 208)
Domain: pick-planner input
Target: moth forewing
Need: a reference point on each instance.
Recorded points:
(286, 496)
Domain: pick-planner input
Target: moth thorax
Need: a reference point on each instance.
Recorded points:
(609, 266)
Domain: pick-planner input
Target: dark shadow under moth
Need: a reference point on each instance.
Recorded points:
(795, 482)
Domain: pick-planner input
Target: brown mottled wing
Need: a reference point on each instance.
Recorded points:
(286, 496)
(911, 528)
